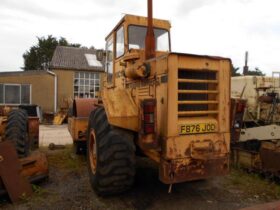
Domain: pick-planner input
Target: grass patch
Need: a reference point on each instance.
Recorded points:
(66, 158)
(253, 184)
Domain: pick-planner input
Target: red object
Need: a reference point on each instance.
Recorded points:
(149, 118)
(149, 108)
(149, 128)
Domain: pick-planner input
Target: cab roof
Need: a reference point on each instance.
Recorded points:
(142, 21)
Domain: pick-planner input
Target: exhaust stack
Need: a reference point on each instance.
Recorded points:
(150, 36)
(246, 68)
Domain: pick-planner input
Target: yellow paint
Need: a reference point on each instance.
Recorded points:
(210, 137)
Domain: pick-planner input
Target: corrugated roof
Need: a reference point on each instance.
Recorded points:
(75, 58)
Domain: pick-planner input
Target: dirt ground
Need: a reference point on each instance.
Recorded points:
(68, 188)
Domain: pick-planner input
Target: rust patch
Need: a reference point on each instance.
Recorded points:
(33, 132)
(82, 107)
(187, 169)
(15, 184)
(270, 160)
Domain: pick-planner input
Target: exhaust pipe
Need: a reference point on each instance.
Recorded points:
(246, 68)
(150, 36)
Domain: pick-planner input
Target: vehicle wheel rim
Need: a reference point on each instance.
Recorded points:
(92, 151)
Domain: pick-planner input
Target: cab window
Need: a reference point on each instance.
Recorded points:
(109, 60)
(120, 42)
(137, 34)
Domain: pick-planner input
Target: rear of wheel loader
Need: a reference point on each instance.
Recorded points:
(173, 107)
(196, 134)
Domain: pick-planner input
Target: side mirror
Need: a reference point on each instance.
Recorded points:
(100, 55)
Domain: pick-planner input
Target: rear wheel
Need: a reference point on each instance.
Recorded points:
(17, 131)
(110, 154)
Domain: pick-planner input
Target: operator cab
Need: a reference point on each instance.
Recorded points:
(128, 38)
(137, 34)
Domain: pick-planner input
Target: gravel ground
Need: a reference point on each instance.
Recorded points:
(68, 188)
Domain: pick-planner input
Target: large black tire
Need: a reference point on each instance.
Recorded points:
(110, 156)
(17, 131)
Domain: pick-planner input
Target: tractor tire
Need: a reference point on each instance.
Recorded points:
(110, 156)
(17, 131)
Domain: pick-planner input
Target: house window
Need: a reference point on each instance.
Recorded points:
(1, 93)
(15, 94)
(86, 85)
(25, 94)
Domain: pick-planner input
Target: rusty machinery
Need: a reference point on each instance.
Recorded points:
(173, 107)
(256, 123)
(78, 122)
(19, 133)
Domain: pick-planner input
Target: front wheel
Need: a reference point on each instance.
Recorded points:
(110, 155)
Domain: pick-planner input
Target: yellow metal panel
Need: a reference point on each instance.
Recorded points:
(161, 64)
(180, 146)
(76, 125)
(172, 113)
(120, 107)
(161, 96)
(197, 63)
(59, 118)
(224, 96)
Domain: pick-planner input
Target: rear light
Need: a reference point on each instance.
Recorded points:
(149, 109)
(149, 118)
(149, 128)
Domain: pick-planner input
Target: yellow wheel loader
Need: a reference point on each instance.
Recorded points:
(173, 107)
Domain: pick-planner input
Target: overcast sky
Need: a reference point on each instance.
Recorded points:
(215, 27)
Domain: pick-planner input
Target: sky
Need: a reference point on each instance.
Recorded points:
(225, 28)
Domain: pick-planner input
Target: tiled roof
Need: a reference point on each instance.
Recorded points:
(75, 58)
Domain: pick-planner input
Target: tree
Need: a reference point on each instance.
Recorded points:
(39, 56)
(256, 72)
(234, 72)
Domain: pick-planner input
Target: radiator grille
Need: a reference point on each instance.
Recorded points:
(197, 92)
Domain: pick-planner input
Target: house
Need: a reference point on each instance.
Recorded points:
(73, 73)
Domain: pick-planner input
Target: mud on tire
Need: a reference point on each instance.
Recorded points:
(114, 168)
(17, 131)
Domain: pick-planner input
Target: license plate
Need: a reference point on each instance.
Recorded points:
(197, 128)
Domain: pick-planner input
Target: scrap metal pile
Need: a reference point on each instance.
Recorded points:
(20, 164)
(256, 124)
